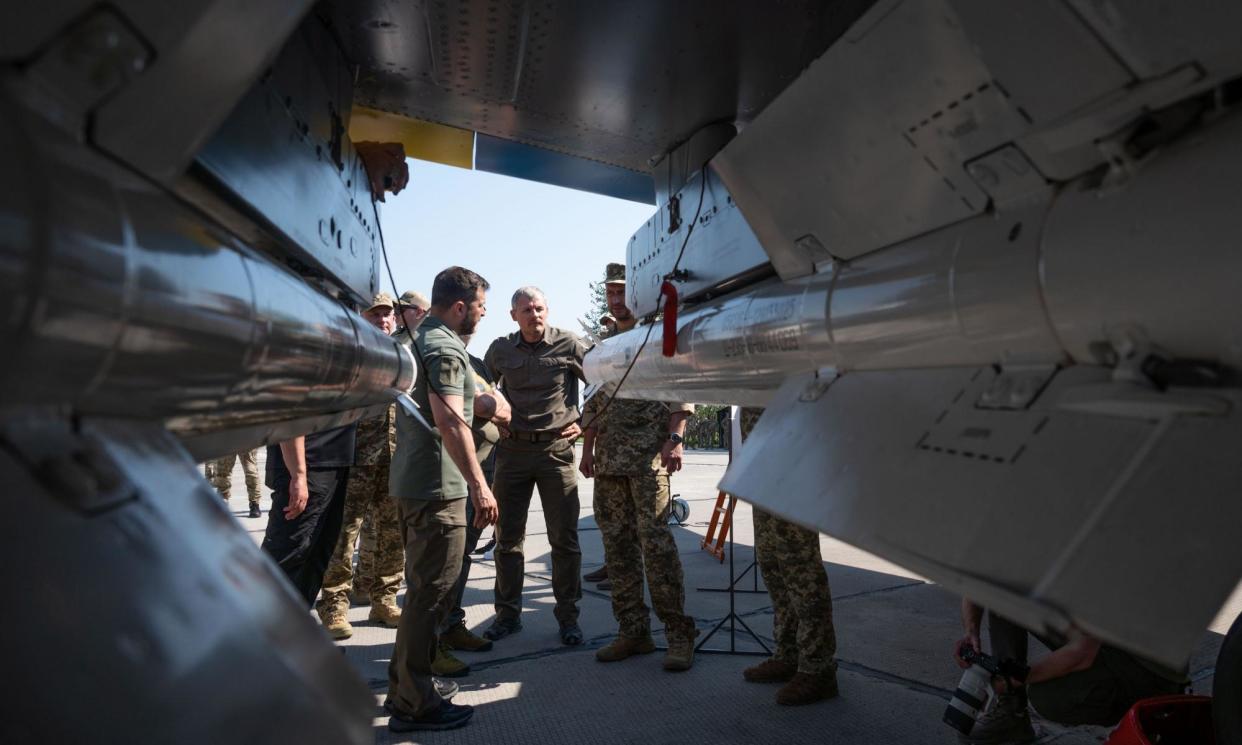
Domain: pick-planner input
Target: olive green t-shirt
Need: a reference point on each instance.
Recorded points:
(421, 467)
(540, 380)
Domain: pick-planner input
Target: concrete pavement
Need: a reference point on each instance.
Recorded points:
(894, 633)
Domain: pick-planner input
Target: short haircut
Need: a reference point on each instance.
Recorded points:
(456, 283)
(529, 291)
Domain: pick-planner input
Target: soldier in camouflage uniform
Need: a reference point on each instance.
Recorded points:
(220, 473)
(630, 447)
(806, 644)
(367, 495)
(364, 570)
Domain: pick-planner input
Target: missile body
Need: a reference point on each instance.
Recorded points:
(123, 302)
(130, 315)
(1097, 269)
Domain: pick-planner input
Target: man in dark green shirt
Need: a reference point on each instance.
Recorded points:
(537, 369)
(432, 475)
(491, 411)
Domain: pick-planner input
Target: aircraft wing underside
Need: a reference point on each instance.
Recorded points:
(612, 83)
(1101, 505)
(979, 260)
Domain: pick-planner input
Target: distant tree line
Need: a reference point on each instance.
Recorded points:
(708, 429)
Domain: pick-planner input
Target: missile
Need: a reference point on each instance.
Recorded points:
(1060, 368)
(140, 337)
(1096, 270)
(124, 302)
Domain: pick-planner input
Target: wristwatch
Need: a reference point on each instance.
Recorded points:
(675, 438)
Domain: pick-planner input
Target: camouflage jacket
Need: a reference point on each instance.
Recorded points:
(376, 439)
(750, 417)
(629, 434)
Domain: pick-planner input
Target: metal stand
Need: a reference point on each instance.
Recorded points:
(752, 567)
(733, 619)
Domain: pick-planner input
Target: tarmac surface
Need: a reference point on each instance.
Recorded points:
(894, 631)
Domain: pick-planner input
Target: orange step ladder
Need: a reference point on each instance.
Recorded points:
(722, 517)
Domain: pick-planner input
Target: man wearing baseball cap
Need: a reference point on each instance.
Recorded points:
(382, 556)
(414, 306)
(630, 447)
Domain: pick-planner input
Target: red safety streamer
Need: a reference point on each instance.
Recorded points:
(669, 293)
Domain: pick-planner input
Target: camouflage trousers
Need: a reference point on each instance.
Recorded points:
(220, 473)
(793, 570)
(366, 496)
(632, 513)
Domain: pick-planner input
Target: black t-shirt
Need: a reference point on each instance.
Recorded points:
(332, 448)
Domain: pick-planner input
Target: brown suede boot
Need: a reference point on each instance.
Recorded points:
(680, 654)
(806, 688)
(624, 647)
(387, 614)
(461, 638)
(446, 665)
(770, 671)
(335, 623)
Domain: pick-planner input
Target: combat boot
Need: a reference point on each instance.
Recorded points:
(503, 627)
(446, 665)
(386, 613)
(1008, 720)
(462, 639)
(336, 624)
(770, 671)
(807, 688)
(446, 688)
(680, 654)
(624, 647)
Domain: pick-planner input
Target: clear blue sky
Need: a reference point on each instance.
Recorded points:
(511, 231)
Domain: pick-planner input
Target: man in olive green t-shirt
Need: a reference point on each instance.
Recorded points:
(537, 368)
(491, 411)
(432, 475)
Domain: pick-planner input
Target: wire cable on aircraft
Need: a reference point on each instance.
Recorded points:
(651, 327)
(418, 355)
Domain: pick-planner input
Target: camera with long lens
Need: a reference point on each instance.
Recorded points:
(974, 690)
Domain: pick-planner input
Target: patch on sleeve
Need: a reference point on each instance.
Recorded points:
(451, 374)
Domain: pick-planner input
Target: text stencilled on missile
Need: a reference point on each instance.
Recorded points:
(774, 311)
(768, 342)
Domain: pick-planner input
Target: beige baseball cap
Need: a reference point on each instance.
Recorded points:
(382, 300)
(416, 298)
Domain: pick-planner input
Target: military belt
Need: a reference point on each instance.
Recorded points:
(547, 436)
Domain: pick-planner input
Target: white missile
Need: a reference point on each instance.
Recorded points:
(1092, 271)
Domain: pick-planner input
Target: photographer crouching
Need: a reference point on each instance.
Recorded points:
(1082, 681)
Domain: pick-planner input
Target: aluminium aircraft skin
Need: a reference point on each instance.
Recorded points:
(981, 255)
